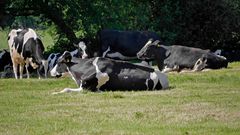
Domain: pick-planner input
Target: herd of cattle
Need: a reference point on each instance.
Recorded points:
(106, 66)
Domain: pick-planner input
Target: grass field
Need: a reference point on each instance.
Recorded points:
(197, 103)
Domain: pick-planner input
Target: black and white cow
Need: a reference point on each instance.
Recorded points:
(106, 74)
(230, 55)
(117, 44)
(53, 57)
(5, 59)
(177, 57)
(26, 49)
(52, 60)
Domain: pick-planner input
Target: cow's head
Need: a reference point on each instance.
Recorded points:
(12, 34)
(147, 52)
(85, 48)
(61, 67)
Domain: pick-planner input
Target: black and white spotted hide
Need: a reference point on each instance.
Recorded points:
(105, 74)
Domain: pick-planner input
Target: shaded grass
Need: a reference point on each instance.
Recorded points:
(197, 103)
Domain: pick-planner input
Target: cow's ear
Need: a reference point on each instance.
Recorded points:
(156, 42)
(75, 45)
(68, 57)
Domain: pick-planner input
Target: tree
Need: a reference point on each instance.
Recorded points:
(199, 23)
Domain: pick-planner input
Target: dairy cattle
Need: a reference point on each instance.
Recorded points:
(26, 49)
(52, 60)
(178, 57)
(117, 44)
(107, 74)
(53, 57)
(5, 59)
(231, 55)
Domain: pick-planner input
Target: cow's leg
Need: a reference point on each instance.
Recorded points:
(69, 90)
(21, 67)
(200, 64)
(167, 69)
(149, 63)
(105, 52)
(15, 69)
(26, 66)
(38, 71)
(45, 65)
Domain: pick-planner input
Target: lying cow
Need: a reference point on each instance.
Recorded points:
(180, 57)
(26, 49)
(106, 74)
(231, 55)
(53, 57)
(117, 44)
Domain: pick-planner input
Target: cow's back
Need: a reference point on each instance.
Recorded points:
(125, 76)
(127, 43)
(184, 56)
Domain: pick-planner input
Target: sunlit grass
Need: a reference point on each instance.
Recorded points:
(196, 103)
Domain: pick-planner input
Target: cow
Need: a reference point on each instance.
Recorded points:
(5, 59)
(117, 44)
(52, 60)
(231, 55)
(100, 74)
(26, 48)
(178, 57)
(53, 57)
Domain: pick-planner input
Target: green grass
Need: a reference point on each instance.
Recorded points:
(47, 39)
(196, 103)
(3, 39)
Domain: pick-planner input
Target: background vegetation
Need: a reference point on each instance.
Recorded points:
(197, 103)
(206, 24)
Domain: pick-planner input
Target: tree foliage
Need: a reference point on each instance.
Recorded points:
(200, 23)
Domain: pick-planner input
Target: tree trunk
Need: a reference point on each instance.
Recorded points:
(56, 16)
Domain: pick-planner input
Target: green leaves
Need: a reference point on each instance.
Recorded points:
(206, 24)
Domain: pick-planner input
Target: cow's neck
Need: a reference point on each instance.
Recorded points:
(160, 56)
(73, 73)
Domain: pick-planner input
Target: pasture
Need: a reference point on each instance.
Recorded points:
(196, 103)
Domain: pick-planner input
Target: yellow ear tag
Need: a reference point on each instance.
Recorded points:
(158, 45)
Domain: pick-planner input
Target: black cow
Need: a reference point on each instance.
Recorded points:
(5, 59)
(26, 48)
(116, 44)
(106, 74)
(180, 57)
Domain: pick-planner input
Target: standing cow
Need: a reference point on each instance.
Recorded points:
(180, 57)
(117, 44)
(26, 49)
(106, 74)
